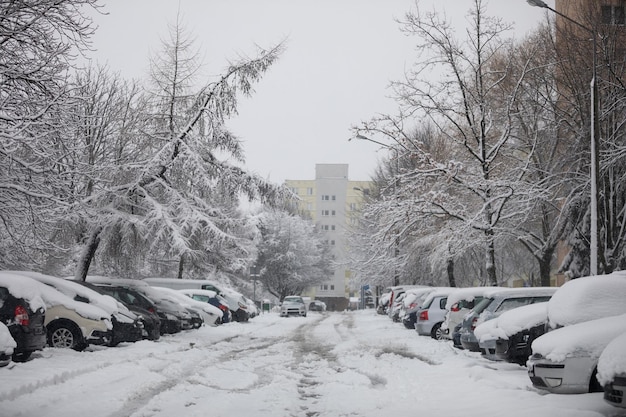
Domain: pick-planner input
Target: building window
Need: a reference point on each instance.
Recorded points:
(325, 198)
(332, 212)
(332, 287)
(332, 243)
(353, 206)
(309, 191)
(333, 197)
(613, 15)
(332, 227)
(309, 206)
(325, 213)
(324, 287)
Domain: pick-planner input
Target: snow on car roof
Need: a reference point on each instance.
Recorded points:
(588, 298)
(441, 291)
(612, 361)
(23, 287)
(512, 322)
(582, 339)
(416, 294)
(208, 293)
(52, 297)
(467, 294)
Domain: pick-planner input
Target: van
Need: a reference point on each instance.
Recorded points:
(236, 302)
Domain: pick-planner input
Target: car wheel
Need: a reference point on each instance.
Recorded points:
(437, 332)
(21, 357)
(65, 335)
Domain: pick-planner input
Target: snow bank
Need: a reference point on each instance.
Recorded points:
(588, 298)
(7, 344)
(612, 361)
(586, 339)
(512, 322)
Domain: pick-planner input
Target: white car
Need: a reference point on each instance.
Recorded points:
(458, 305)
(432, 313)
(211, 315)
(555, 364)
(612, 371)
(293, 305)
(564, 360)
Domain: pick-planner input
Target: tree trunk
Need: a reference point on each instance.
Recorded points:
(450, 269)
(88, 254)
(181, 264)
(490, 254)
(545, 266)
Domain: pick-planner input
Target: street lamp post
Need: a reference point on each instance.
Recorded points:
(594, 136)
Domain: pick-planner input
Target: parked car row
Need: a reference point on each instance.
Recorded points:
(38, 310)
(572, 339)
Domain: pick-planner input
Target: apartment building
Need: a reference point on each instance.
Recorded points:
(332, 201)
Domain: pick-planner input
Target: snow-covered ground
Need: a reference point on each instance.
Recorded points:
(326, 364)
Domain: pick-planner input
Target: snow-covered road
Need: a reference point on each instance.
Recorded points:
(330, 364)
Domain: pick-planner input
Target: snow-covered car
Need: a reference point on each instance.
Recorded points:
(211, 297)
(293, 305)
(458, 305)
(559, 355)
(564, 361)
(236, 302)
(432, 313)
(317, 305)
(174, 317)
(411, 304)
(495, 302)
(7, 344)
(612, 371)
(383, 303)
(69, 323)
(211, 315)
(23, 311)
(126, 325)
(138, 304)
(509, 336)
(253, 309)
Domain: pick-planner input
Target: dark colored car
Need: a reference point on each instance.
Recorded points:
(125, 328)
(169, 321)
(517, 348)
(25, 324)
(138, 304)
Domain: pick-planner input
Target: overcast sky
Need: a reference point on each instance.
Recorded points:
(339, 59)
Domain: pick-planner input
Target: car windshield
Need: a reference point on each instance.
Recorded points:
(293, 299)
(480, 307)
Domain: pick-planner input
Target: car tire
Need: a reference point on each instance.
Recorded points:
(65, 335)
(437, 333)
(21, 357)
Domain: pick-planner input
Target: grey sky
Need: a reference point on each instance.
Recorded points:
(340, 56)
